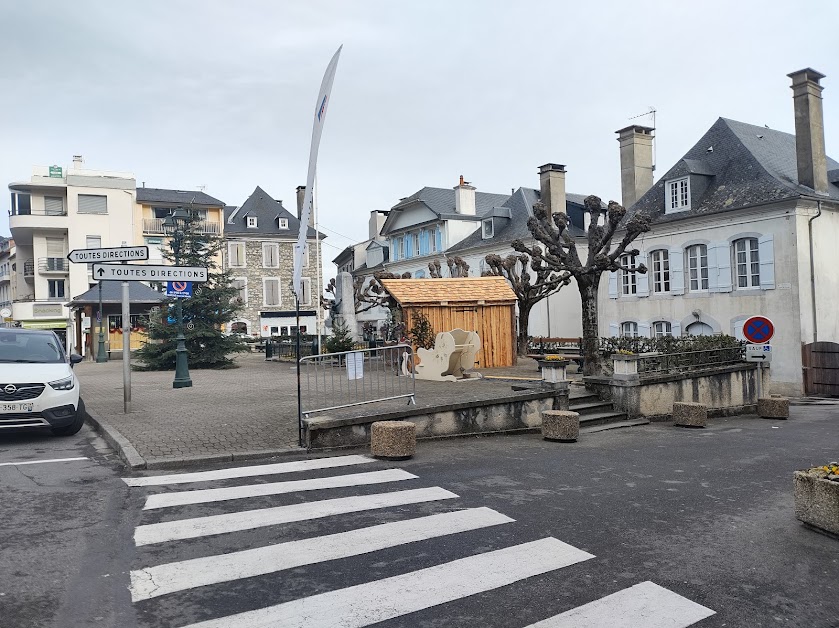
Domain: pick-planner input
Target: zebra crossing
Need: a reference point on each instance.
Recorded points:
(396, 519)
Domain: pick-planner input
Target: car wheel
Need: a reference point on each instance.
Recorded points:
(75, 426)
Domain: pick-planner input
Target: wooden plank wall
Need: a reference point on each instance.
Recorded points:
(821, 368)
(495, 325)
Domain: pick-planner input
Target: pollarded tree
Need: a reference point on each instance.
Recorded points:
(529, 290)
(560, 255)
(457, 268)
(367, 295)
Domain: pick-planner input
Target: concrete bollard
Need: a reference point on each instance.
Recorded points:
(689, 414)
(560, 425)
(773, 407)
(393, 440)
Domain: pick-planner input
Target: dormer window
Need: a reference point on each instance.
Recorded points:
(282, 223)
(487, 229)
(251, 222)
(677, 195)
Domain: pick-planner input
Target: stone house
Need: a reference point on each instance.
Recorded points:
(259, 243)
(746, 223)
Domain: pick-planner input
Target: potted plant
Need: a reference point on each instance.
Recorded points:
(817, 497)
(553, 368)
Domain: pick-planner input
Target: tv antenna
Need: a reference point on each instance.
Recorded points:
(203, 187)
(651, 113)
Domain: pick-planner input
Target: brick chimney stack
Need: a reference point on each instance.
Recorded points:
(552, 187)
(636, 146)
(809, 129)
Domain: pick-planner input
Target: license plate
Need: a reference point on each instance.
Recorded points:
(16, 407)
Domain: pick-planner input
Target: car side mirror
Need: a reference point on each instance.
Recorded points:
(75, 358)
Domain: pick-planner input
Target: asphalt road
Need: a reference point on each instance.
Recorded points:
(538, 529)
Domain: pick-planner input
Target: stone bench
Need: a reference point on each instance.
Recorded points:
(689, 414)
(393, 440)
(773, 407)
(560, 425)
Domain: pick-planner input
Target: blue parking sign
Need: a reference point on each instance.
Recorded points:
(179, 289)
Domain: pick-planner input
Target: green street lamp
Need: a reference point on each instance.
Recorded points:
(173, 226)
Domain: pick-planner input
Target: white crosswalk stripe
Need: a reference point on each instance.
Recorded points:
(644, 604)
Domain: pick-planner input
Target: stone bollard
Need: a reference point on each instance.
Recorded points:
(773, 407)
(393, 440)
(560, 425)
(689, 414)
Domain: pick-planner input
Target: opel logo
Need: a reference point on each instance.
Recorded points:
(10, 389)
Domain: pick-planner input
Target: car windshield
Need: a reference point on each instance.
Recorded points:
(30, 348)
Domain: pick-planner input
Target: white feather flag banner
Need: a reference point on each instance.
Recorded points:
(317, 128)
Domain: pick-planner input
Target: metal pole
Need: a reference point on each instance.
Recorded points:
(759, 378)
(318, 274)
(126, 349)
(101, 354)
(299, 394)
(182, 379)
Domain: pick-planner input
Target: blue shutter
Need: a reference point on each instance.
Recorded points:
(723, 257)
(766, 255)
(677, 271)
(438, 236)
(613, 285)
(409, 245)
(642, 281)
(422, 242)
(394, 250)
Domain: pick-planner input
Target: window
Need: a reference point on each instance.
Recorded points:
(628, 278)
(239, 328)
(161, 212)
(241, 285)
(93, 204)
(270, 255)
(56, 248)
(678, 195)
(93, 242)
(435, 240)
(697, 263)
(400, 248)
(271, 291)
(306, 297)
(21, 204)
(699, 329)
(747, 263)
(56, 288)
(282, 223)
(252, 222)
(488, 230)
(660, 266)
(661, 329)
(629, 329)
(53, 206)
(236, 254)
(415, 243)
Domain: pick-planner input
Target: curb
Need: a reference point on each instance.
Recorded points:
(126, 451)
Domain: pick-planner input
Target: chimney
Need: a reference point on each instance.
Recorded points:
(301, 194)
(464, 198)
(377, 221)
(552, 188)
(809, 129)
(636, 144)
(78, 162)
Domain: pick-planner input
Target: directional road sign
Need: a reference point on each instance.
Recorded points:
(119, 254)
(758, 329)
(759, 353)
(134, 272)
(179, 289)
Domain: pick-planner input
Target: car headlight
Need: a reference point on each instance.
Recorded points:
(62, 384)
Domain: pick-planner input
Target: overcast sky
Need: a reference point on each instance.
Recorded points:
(221, 93)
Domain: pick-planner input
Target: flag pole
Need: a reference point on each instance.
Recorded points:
(299, 394)
(319, 275)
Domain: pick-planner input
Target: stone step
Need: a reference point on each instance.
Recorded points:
(586, 407)
(599, 418)
(590, 429)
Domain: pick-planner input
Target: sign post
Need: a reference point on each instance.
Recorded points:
(759, 330)
(126, 349)
(133, 272)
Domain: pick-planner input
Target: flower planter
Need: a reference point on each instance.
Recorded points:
(554, 371)
(817, 501)
(625, 366)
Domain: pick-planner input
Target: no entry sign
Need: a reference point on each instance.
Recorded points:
(758, 329)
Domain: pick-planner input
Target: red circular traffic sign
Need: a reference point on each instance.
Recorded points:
(179, 286)
(758, 329)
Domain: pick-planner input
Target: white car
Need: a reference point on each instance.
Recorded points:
(37, 385)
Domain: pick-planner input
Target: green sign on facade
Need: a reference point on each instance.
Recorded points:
(56, 171)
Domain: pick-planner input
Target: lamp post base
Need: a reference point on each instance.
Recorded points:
(101, 354)
(182, 379)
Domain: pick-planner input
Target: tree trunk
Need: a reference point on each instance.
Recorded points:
(523, 337)
(591, 335)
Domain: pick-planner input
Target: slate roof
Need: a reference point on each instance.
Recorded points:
(112, 293)
(441, 201)
(179, 197)
(266, 210)
(463, 290)
(748, 165)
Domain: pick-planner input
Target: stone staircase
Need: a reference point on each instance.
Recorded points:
(597, 415)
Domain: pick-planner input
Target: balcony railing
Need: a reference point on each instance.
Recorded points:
(37, 212)
(155, 225)
(29, 268)
(53, 265)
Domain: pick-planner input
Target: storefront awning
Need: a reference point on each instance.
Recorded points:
(60, 323)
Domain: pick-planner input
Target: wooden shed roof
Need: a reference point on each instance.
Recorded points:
(460, 291)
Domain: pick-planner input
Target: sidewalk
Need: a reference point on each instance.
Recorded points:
(240, 413)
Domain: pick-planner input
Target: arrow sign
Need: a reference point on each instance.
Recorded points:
(758, 353)
(135, 272)
(120, 254)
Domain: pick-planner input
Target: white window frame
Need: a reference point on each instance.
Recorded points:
(677, 195)
(252, 222)
(230, 255)
(400, 247)
(701, 282)
(660, 329)
(629, 329)
(751, 252)
(279, 292)
(244, 288)
(415, 241)
(660, 270)
(276, 247)
(484, 234)
(282, 223)
(306, 285)
(629, 281)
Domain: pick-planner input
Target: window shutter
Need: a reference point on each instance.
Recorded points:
(53, 205)
(438, 238)
(614, 330)
(676, 329)
(723, 257)
(409, 245)
(424, 242)
(677, 271)
(613, 285)
(93, 204)
(642, 281)
(766, 253)
(643, 330)
(306, 285)
(55, 247)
